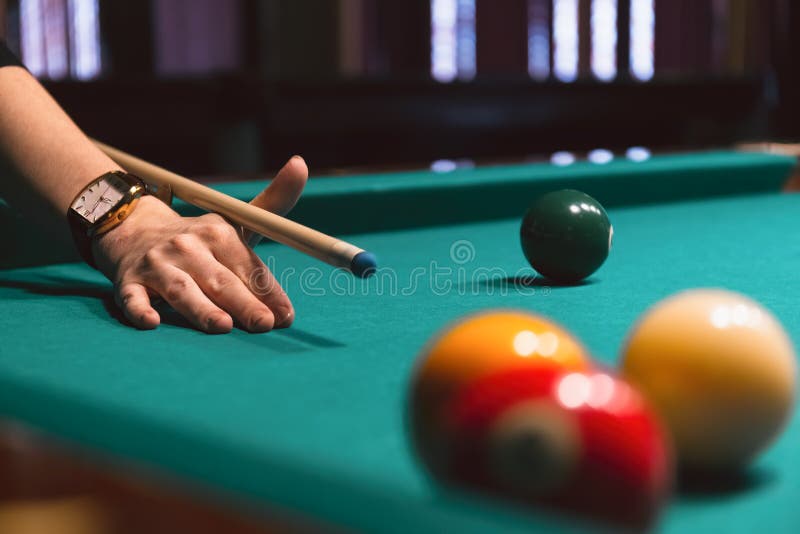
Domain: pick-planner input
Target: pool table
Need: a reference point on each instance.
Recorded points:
(310, 420)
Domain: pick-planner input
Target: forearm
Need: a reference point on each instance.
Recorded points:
(51, 156)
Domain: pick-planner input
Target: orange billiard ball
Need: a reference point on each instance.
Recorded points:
(475, 347)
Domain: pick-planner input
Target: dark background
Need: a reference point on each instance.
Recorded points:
(238, 86)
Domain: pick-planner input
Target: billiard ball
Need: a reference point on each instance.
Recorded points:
(566, 235)
(471, 348)
(720, 369)
(582, 442)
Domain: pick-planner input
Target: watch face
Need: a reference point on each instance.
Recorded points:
(100, 197)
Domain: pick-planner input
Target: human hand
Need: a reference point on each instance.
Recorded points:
(201, 266)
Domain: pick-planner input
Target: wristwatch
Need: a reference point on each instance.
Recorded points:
(101, 207)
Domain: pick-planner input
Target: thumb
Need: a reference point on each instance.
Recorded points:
(283, 192)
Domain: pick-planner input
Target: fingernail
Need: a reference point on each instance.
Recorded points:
(216, 324)
(284, 318)
(264, 322)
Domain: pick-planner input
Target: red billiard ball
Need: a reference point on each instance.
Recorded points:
(582, 442)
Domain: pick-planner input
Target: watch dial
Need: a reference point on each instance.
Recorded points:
(100, 197)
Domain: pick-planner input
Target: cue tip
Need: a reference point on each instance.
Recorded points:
(364, 264)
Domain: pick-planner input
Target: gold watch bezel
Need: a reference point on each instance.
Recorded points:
(118, 213)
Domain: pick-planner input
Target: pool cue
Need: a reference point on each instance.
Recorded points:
(302, 238)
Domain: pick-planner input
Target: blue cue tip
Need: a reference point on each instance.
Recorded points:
(364, 264)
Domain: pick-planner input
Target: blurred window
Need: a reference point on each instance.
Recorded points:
(453, 40)
(60, 39)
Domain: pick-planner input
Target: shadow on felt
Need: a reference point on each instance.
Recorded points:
(103, 294)
(700, 485)
(526, 281)
(105, 309)
(54, 286)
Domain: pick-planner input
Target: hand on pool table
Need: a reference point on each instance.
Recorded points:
(201, 266)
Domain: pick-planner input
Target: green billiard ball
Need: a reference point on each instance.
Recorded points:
(566, 235)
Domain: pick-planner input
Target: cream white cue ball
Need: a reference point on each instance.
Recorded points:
(721, 371)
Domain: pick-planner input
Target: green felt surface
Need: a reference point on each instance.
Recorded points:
(311, 418)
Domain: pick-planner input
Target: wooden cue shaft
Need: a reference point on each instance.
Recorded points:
(307, 240)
